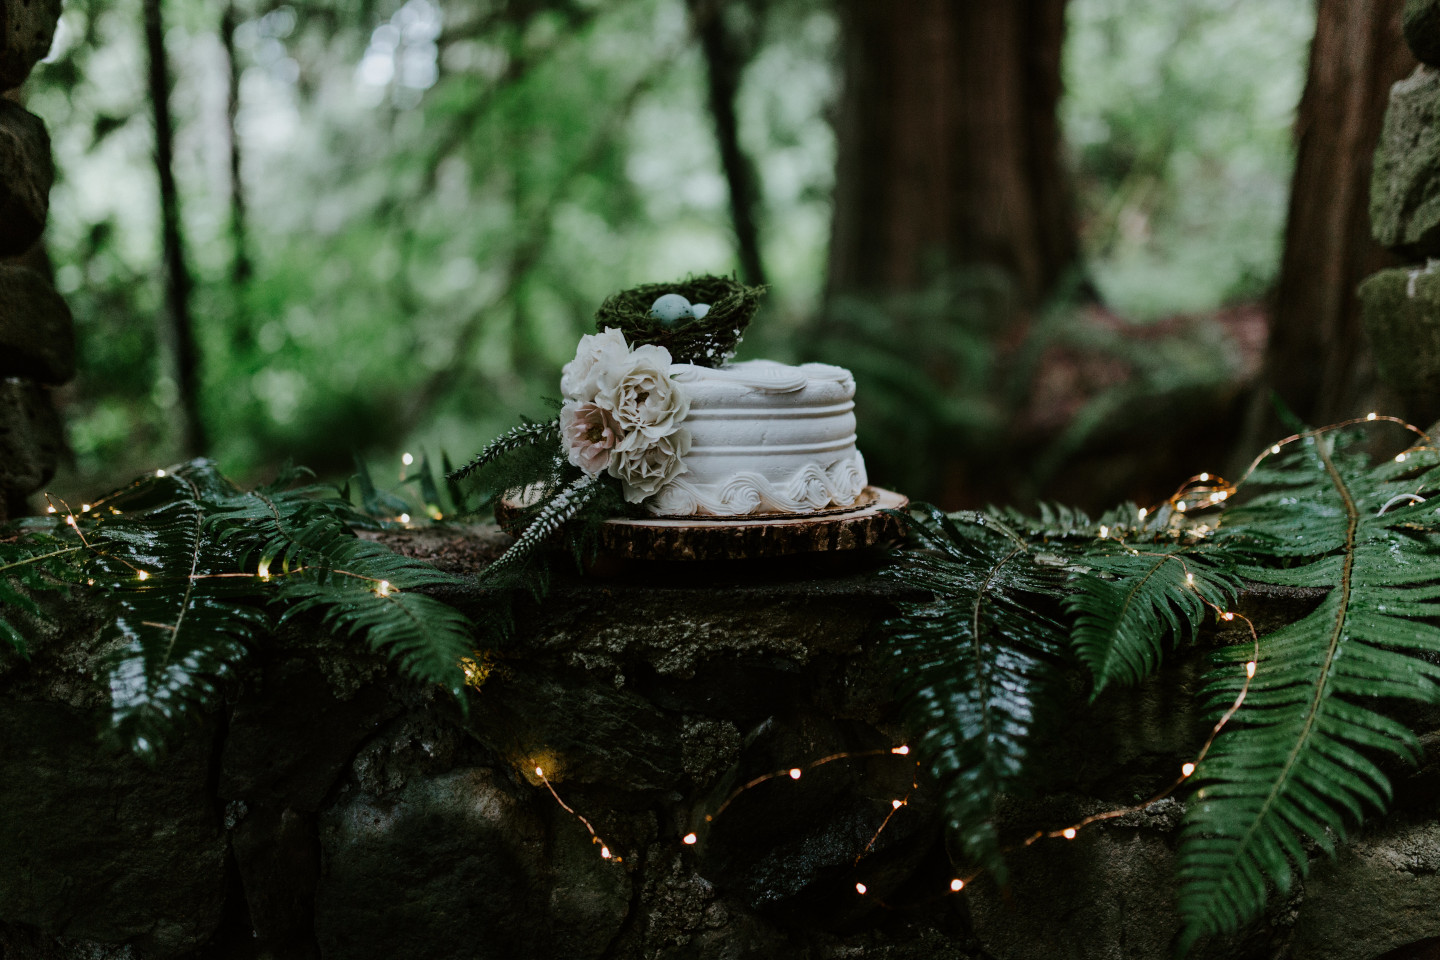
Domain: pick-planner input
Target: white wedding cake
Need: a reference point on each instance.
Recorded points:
(764, 438)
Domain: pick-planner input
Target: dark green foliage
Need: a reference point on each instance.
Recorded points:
(194, 568)
(972, 665)
(1303, 761)
(707, 342)
(1128, 602)
(1298, 761)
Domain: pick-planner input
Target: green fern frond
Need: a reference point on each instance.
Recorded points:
(426, 637)
(32, 561)
(1129, 602)
(180, 624)
(1298, 767)
(190, 564)
(972, 664)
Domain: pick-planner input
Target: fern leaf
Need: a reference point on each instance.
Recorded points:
(179, 626)
(1127, 603)
(971, 666)
(1298, 767)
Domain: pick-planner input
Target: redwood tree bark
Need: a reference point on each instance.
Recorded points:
(723, 63)
(241, 267)
(179, 328)
(949, 145)
(1317, 360)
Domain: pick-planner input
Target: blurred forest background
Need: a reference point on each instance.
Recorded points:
(1049, 237)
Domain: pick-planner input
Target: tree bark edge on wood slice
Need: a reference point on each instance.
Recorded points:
(756, 536)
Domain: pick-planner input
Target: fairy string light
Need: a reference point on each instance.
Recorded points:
(605, 851)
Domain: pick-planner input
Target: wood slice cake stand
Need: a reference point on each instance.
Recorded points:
(760, 535)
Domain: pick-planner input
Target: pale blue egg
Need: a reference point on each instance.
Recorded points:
(699, 310)
(671, 307)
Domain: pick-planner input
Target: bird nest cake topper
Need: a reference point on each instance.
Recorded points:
(699, 320)
(621, 434)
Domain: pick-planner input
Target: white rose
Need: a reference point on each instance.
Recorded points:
(645, 402)
(599, 359)
(646, 467)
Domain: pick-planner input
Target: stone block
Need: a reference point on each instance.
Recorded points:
(1405, 183)
(1381, 893)
(26, 173)
(27, 28)
(462, 866)
(30, 437)
(96, 843)
(37, 333)
(1401, 311)
(1422, 29)
(293, 733)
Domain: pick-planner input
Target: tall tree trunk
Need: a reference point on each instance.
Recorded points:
(241, 267)
(1317, 360)
(723, 63)
(178, 328)
(949, 145)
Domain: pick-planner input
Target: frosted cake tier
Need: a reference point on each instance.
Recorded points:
(765, 438)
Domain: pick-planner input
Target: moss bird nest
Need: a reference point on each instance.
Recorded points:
(706, 342)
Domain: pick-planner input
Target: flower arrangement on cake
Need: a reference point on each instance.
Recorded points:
(655, 419)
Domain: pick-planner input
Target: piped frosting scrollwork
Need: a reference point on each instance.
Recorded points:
(810, 488)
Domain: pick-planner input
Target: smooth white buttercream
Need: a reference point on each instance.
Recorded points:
(765, 438)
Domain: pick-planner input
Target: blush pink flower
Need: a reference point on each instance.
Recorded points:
(589, 434)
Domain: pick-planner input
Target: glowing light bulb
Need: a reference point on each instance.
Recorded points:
(70, 519)
(1400, 458)
(1188, 769)
(1142, 513)
(957, 885)
(896, 804)
(1180, 507)
(264, 570)
(90, 582)
(1275, 449)
(406, 459)
(1250, 669)
(689, 839)
(1068, 833)
(902, 750)
(1104, 531)
(384, 588)
(84, 508)
(1227, 615)
(159, 473)
(539, 772)
(404, 518)
(1204, 477)
(143, 574)
(605, 852)
(1370, 416)
(1189, 579)
(50, 509)
(794, 773)
(860, 888)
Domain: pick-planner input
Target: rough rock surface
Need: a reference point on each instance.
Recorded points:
(37, 335)
(1421, 22)
(1405, 183)
(26, 173)
(334, 811)
(1401, 311)
(96, 844)
(27, 28)
(30, 437)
